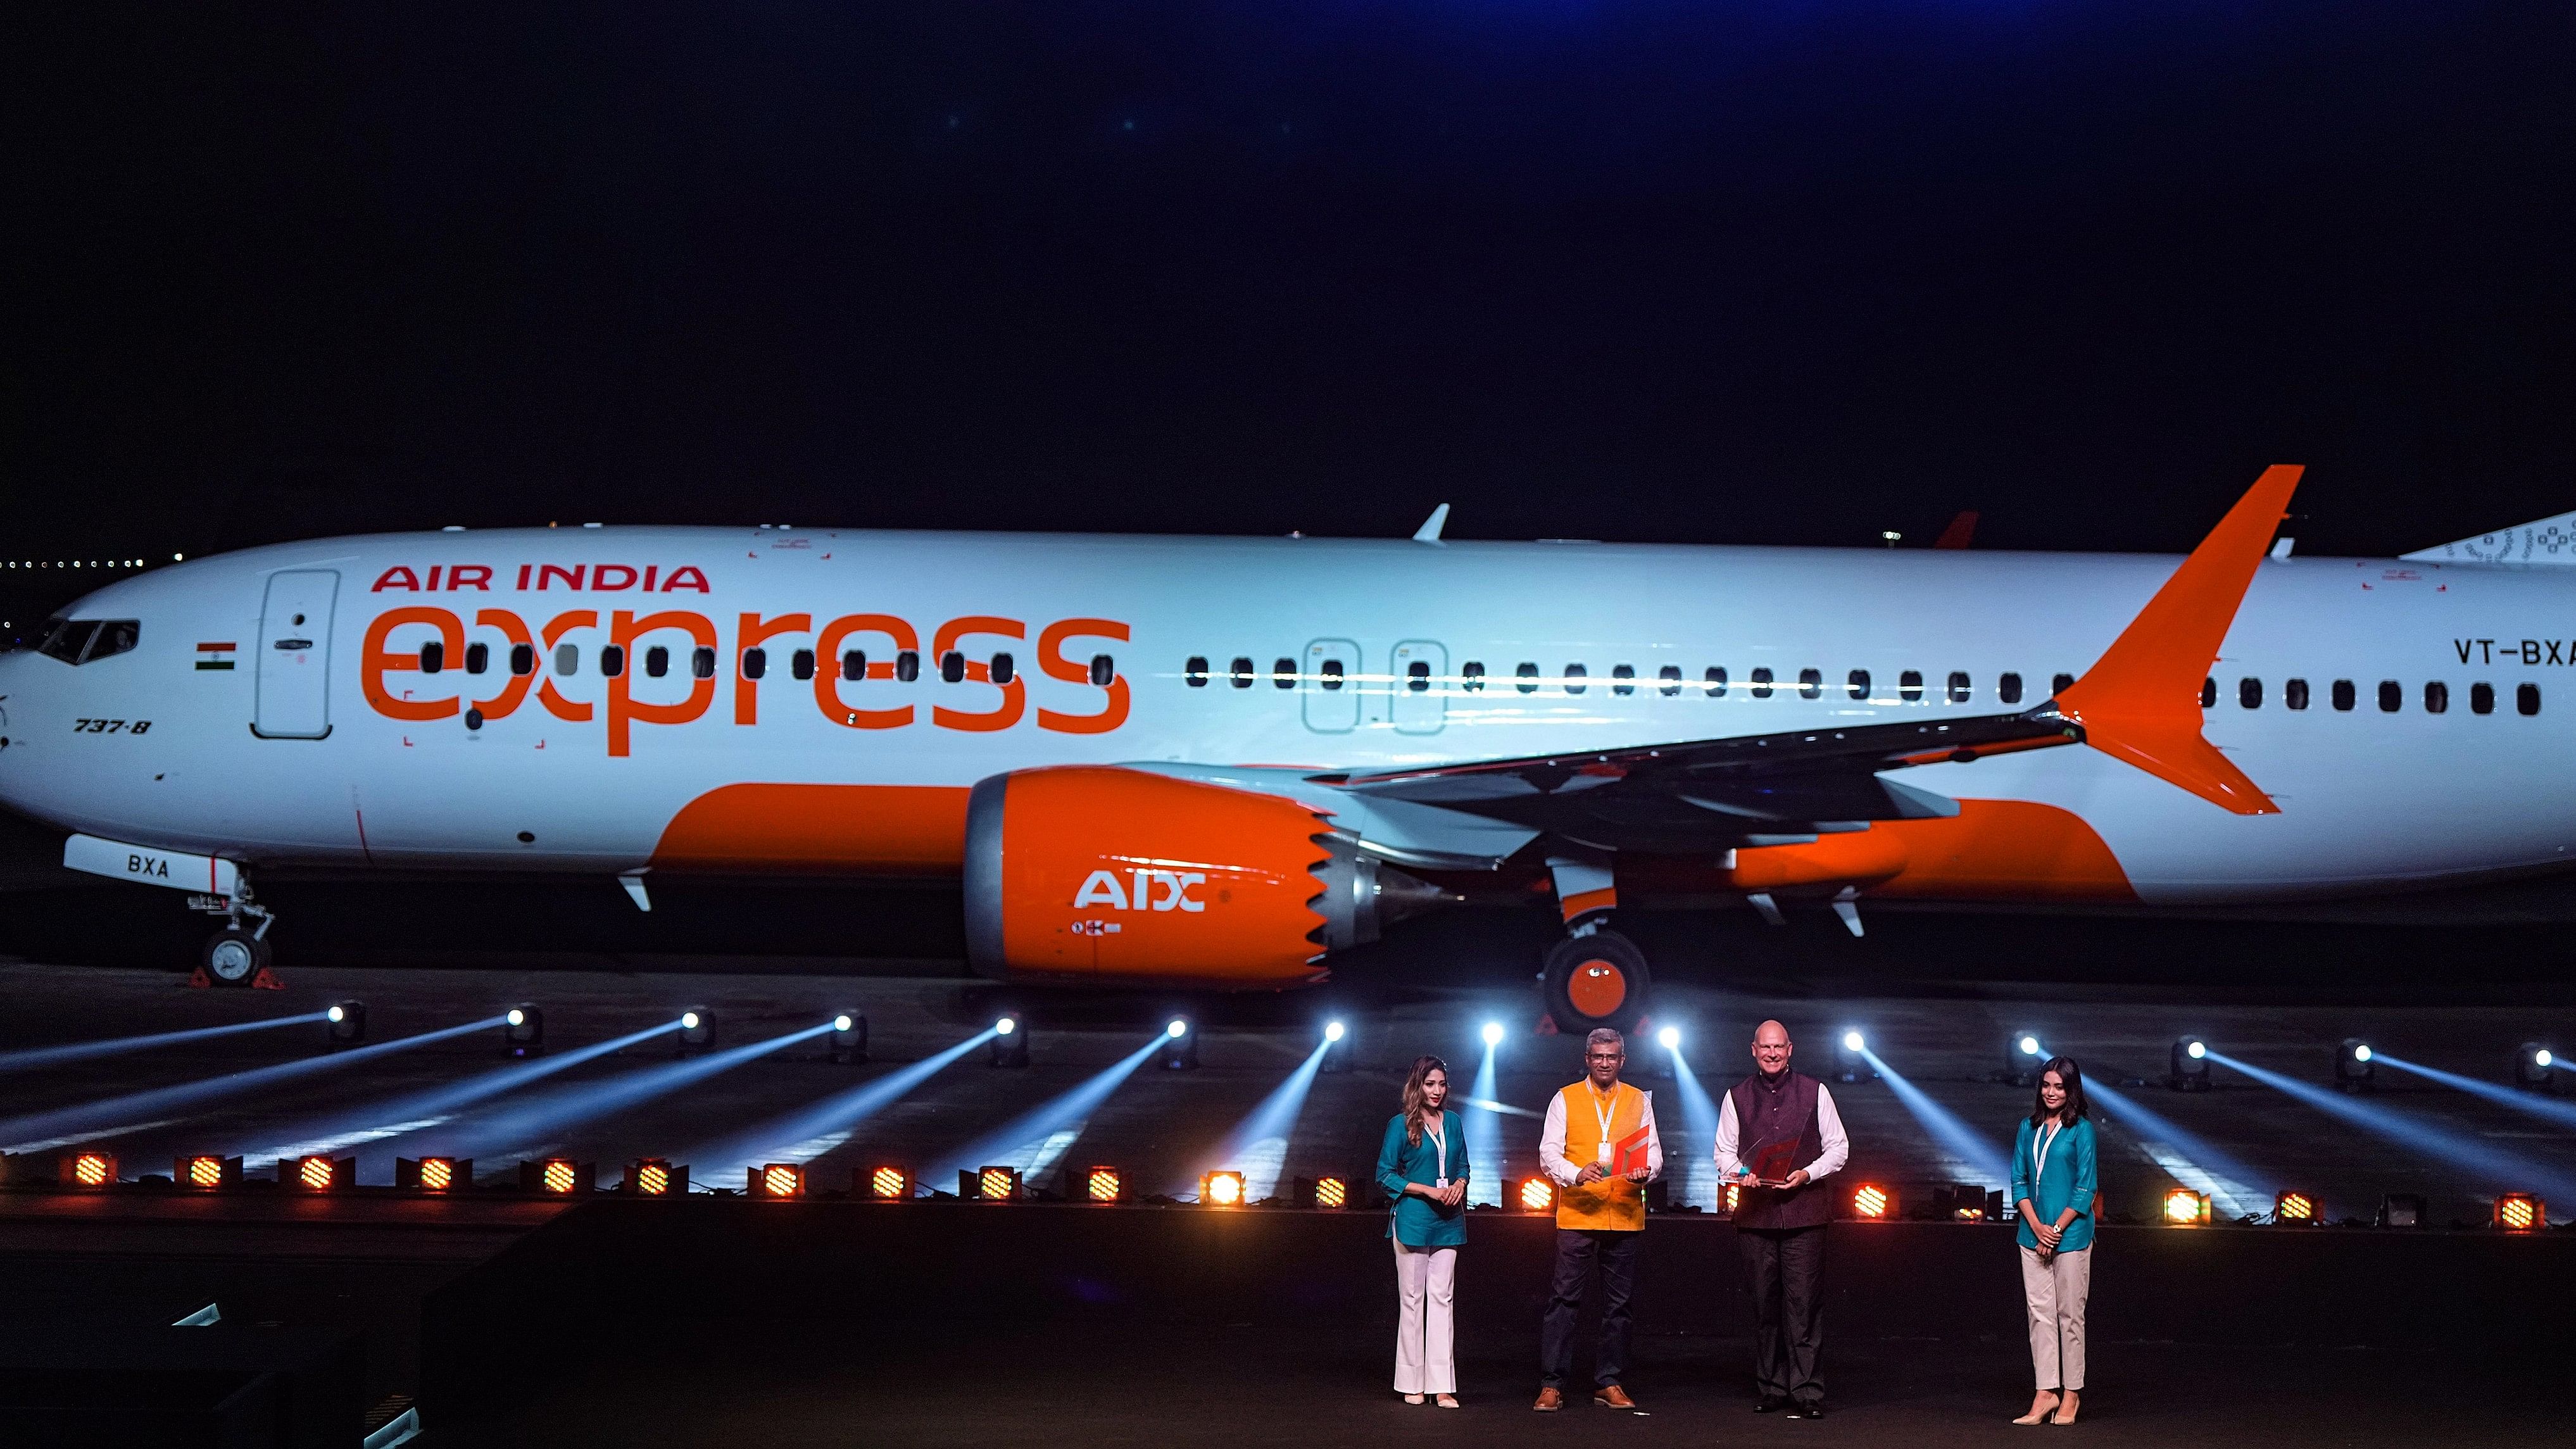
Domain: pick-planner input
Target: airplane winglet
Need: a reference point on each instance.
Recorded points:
(2140, 702)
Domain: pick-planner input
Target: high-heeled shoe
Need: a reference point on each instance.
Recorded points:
(2066, 1411)
(1446, 1401)
(1413, 1398)
(2038, 1415)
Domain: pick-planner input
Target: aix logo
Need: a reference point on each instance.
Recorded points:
(1103, 888)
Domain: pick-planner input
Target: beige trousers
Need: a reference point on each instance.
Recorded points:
(1426, 1361)
(2055, 1290)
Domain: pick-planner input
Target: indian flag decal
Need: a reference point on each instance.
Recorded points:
(215, 656)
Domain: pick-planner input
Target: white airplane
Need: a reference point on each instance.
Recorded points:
(1217, 761)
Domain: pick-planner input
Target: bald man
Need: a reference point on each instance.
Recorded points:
(1778, 1137)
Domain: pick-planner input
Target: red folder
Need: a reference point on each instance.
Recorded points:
(1774, 1161)
(1630, 1155)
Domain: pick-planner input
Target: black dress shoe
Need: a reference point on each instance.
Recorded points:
(1807, 1409)
(1770, 1403)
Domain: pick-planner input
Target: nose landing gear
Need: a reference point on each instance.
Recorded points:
(238, 954)
(1597, 979)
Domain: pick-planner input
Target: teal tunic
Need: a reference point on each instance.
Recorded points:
(2066, 1178)
(1419, 1222)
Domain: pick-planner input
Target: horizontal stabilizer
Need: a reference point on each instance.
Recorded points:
(2550, 540)
(2140, 702)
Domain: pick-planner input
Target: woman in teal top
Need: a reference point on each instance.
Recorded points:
(2053, 1188)
(1423, 1166)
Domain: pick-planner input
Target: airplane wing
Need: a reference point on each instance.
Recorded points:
(2140, 703)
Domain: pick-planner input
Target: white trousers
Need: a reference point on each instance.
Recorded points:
(2055, 1291)
(1426, 1327)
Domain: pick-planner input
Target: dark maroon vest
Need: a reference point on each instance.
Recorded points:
(1765, 1114)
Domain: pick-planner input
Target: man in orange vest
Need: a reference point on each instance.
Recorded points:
(1600, 1148)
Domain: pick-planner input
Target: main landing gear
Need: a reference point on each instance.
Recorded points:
(1595, 977)
(238, 954)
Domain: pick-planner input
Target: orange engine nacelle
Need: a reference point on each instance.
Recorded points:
(1104, 873)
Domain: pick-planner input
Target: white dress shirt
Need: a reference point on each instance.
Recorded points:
(1551, 1141)
(1829, 1128)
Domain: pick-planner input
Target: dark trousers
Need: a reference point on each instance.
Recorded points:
(1577, 1249)
(1785, 1267)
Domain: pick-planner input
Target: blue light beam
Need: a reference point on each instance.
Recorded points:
(1484, 1133)
(810, 1131)
(1258, 1145)
(590, 1101)
(1980, 1157)
(1700, 1186)
(79, 1051)
(2190, 1159)
(2562, 1113)
(2503, 1171)
(210, 1092)
(1011, 1142)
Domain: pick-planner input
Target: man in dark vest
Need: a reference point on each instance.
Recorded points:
(1778, 1137)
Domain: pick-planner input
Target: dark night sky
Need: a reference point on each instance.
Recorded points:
(1724, 271)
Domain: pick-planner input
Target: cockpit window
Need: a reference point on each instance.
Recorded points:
(85, 641)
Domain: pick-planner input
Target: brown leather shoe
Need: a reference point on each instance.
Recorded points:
(1611, 1396)
(1549, 1401)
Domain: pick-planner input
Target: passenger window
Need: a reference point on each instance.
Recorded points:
(2526, 698)
(854, 664)
(1471, 677)
(2294, 693)
(1909, 685)
(1417, 677)
(1331, 674)
(2208, 693)
(612, 660)
(1958, 687)
(1811, 683)
(1715, 682)
(1762, 683)
(702, 663)
(952, 668)
(2060, 683)
(907, 666)
(523, 659)
(567, 659)
(1283, 674)
(755, 662)
(657, 662)
(1105, 669)
(1241, 675)
(2341, 693)
(2249, 694)
(1624, 675)
(2482, 698)
(1671, 675)
(1858, 684)
(478, 658)
(2008, 688)
(1004, 667)
(433, 657)
(2437, 697)
(1574, 676)
(1195, 671)
(1526, 676)
(2392, 696)
(801, 664)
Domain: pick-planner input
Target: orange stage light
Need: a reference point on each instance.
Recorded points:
(778, 1180)
(1537, 1195)
(890, 1184)
(558, 1176)
(434, 1174)
(656, 1177)
(1332, 1192)
(997, 1184)
(1734, 1195)
(2297, 1209)
(317, 1173)
(1221, 1189)
(437, 1174)
(1872, 1203)
(2185, 1208)
(1102, 1184)
(2520, 1212)
(205, 1172)
(89, 1169)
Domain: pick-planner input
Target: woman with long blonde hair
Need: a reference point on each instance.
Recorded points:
(1422, 1164)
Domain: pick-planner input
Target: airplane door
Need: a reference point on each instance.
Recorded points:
(1331, 680)
(1420, 678)
(295, 655)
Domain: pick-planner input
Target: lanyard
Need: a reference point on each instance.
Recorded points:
(2040, 1142)
(1440, 1146)
(1603, 1114)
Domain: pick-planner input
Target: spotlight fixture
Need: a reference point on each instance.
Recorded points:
(1327, 1194)
(88, 1169)
(2353, 1068)
(2295, 1209)
(2401, 1210)
(523, 1031)
(655, 1177)
(1222, 1188)
(558, 1177)
(1337, 1048)
(2188, 1066)
(2185, 1208)
(990, 1184)
(888, 1184)
(697, 1031)
(317, 1172)
(777, 1181)
(1873, 1203)
(2520, 1212)
(2533, 1067)
(850, 1037)
(205, 1172)
(2024, 1055)
(1850, 1064)
(1010, 1044)
(1670, 1038)
(1965, 1203)
(346, 1022)
(1493, 1033)
(434, 1174)
(1537, 1195)
(1180, 1050)
(1104, 1184)
(1734, 1194)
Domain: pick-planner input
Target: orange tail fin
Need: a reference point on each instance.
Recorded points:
(2140, 702)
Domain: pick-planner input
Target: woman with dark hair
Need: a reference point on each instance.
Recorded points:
(2052, 1191)
(1423, 1167)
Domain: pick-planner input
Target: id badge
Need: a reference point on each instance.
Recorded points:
(1602, 1156)
(1441, 1183)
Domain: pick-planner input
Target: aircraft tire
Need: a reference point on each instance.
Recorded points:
(233, 957)
(1598, 980)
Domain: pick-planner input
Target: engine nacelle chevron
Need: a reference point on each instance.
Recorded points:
(1107, 874)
